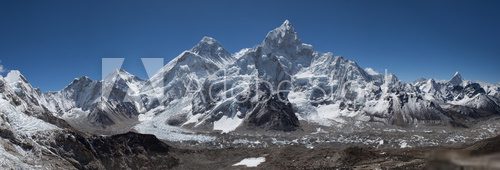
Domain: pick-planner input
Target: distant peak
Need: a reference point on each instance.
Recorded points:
(121, 72)
(15, 76)
(118, 73)
(208, 40)
(16, 73)
(84, 78)
(456, 79)
(209, 47)
(79, 80)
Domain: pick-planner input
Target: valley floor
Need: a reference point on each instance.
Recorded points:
(325, 157)
(329, 148)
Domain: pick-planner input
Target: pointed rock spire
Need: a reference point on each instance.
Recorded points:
(282, 37)
(430, 86)
(456, 80)
(287, 25)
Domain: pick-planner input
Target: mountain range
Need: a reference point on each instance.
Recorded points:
(278, 85)
(208, 88)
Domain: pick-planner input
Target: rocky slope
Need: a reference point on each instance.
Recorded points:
(33, 137)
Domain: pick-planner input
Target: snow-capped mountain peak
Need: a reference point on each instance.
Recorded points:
(120, 74)
(456, 80)
(123, 80)
(211, 49)
(430, 86)
(19, 83)
(286, 23)
(286, 27)
(209, 40)
(15, 76)
(282, 37)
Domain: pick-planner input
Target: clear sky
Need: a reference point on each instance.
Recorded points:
(53, 42)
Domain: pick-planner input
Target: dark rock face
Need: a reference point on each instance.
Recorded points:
(47, 116)
(473, 89)
(275, 114)
(110, 113)
(257, 105)
(83, 91)
(114, 109)
(124, 151)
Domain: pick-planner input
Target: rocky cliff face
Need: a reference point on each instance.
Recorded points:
(125, 151)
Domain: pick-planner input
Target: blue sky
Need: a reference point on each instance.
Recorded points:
(53, 42)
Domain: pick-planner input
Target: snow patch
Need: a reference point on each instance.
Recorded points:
(251, 162)
(330, 112)
(304, 74)
(371, 71)
(227, 124)
(297, 97)
(404, 144)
